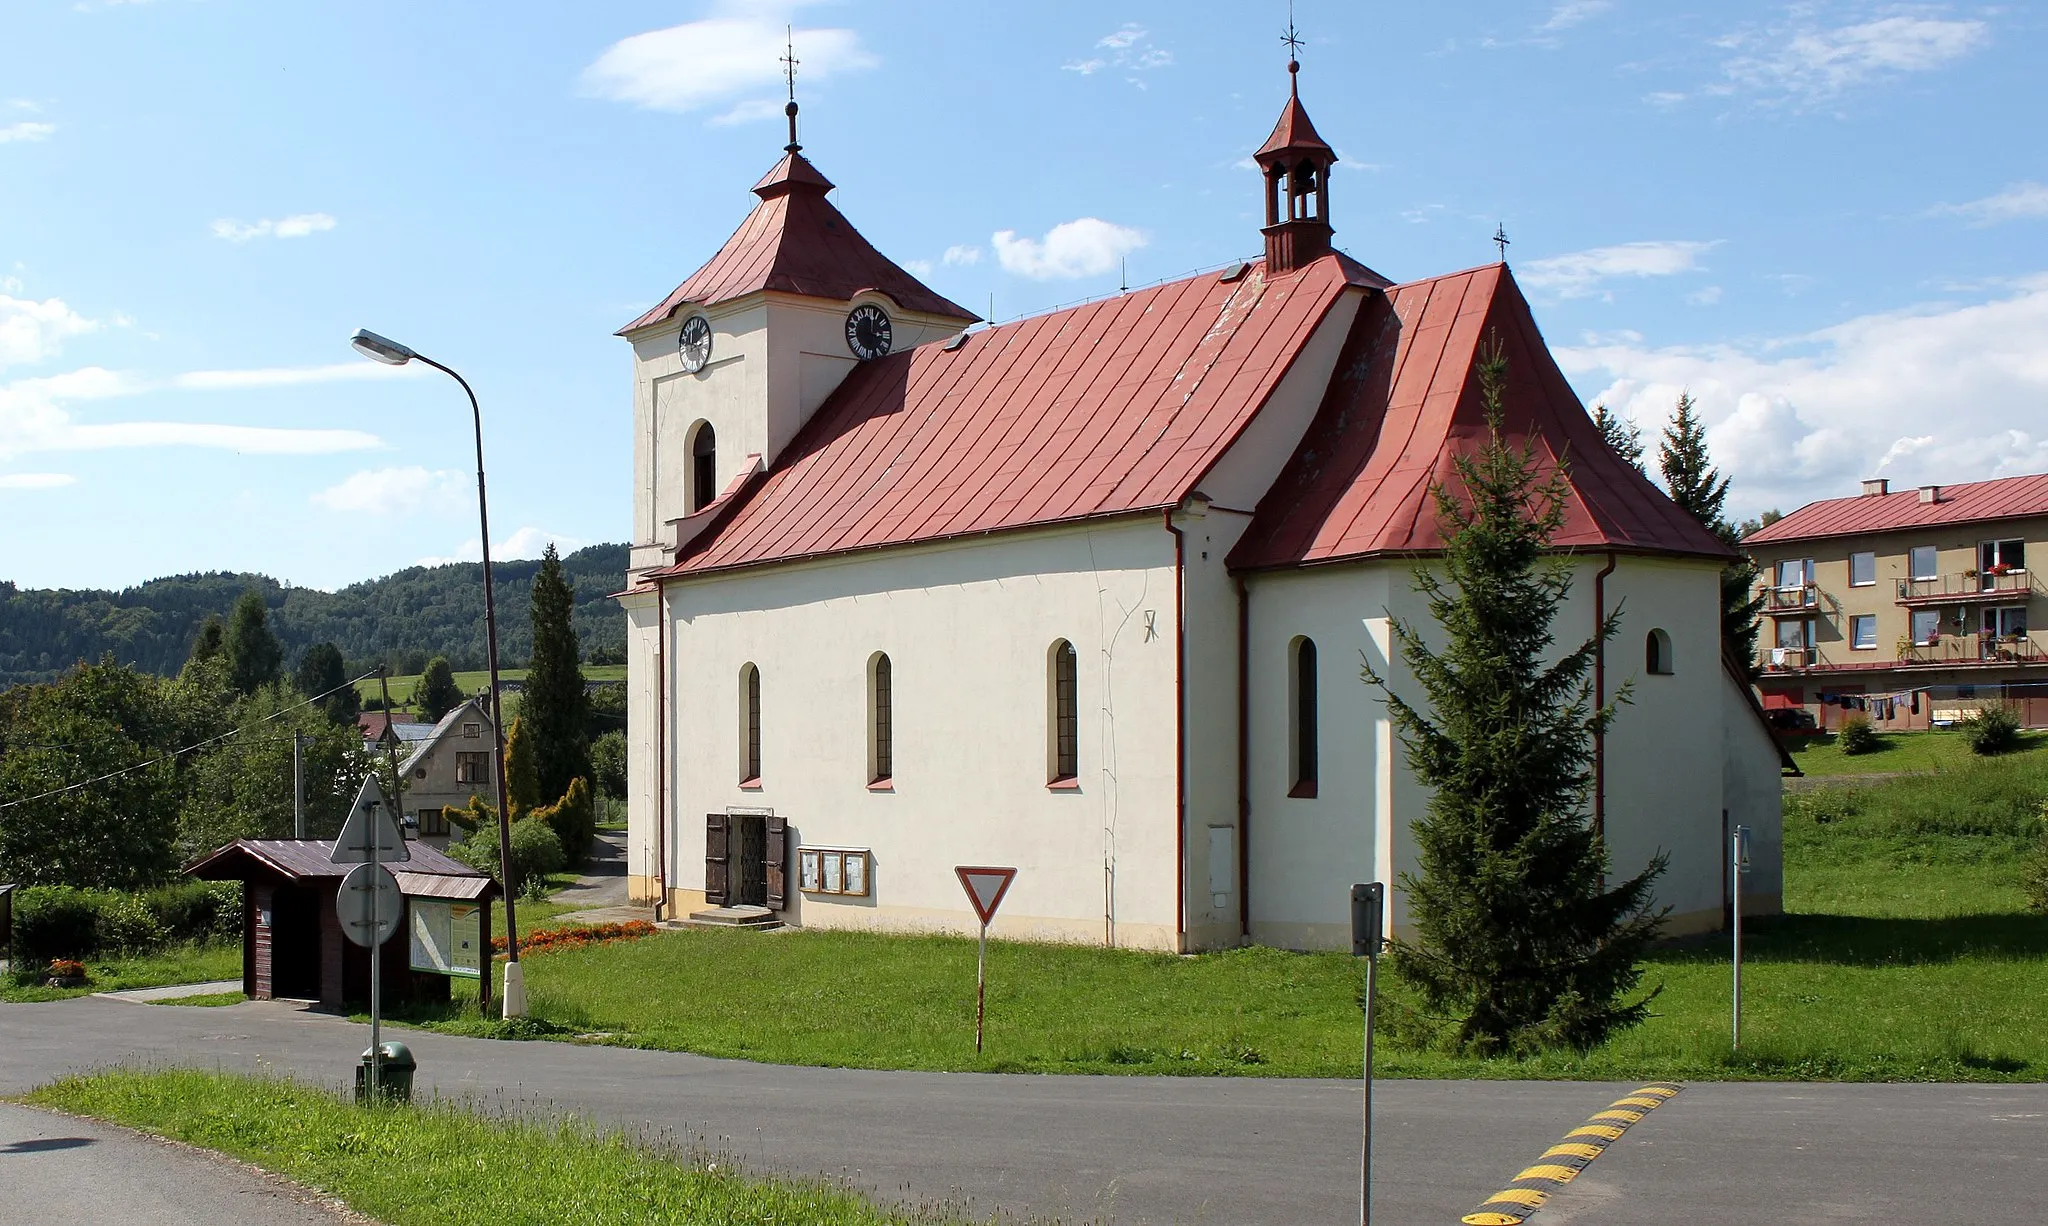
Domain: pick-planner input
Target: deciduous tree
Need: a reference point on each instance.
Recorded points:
(255, 657)
(437, 694)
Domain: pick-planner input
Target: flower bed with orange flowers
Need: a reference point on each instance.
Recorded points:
(576, 936)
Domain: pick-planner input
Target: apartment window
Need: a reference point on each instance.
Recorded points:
(1863, 632)
(1921, 562)
(1926, 626)
(472, 768)
(1795, 572)
(2007, 622)
(750, 724)
(1862, 569)
(1657, 653)
(881, 719)
(1995, 558)
(703, 466)
(1303, 734)
(1795, 632)
(1065, 722)
(433, 821)
(472, 732)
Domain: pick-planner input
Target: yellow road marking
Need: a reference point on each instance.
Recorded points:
(1596, 1137)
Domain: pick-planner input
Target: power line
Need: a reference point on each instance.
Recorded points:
(179, 753)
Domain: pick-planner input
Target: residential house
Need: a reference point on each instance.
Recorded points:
(450, 764)
(392, 730)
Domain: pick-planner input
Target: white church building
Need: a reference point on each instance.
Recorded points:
(1087, 593)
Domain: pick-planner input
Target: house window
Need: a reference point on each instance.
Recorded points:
(703, 466)
(1064, 723)
(1795, 572)
(471, 732)
(1302, 735)
(1863, 632)
(1921, 562)
(1862, 569)
(1657, 653)
(1926, 626)
(472, 768)
(2006, 623)
(881, 720)
(1995, 558)
(1795, 632)
(433, 821)
(750, 724)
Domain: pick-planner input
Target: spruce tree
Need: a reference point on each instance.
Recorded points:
(255, 657)
(1518, 942)
(1699, 488)
(437, 694)
(207, 644)
(554, 708)
(1622, 434)
(320, 672)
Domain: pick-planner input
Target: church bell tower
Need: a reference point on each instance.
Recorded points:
(1295, 163)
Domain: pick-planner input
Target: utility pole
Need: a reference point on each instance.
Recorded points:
(298, 785)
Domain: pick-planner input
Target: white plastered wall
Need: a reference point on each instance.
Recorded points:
(1753, 790)
(643, 645)
(968, 627)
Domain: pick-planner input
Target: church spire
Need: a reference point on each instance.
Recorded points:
(1295, 163)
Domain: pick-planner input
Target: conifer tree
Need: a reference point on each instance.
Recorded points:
(1622, 434)
(554, 707)
(320, 672)
(207, 644)
(1699, 488)
(437, 694)
(255, 657)
(1518, 944)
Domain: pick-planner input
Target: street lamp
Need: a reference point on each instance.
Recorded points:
(391, 353)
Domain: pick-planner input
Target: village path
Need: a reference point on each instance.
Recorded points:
(60, 1171)
(1133, 1150)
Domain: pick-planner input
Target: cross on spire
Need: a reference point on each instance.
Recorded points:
(789, 63)
(1292, 39)
(1500, 240)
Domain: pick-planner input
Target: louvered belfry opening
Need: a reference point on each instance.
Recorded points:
(1295, 163)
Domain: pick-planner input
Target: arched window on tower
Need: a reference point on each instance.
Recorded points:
(750, 724)
(881, 721)
(1302, 739)
(703, 466)
(1657, 653)
(1063, 714)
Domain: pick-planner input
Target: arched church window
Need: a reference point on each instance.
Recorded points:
(1657, 653)
(703, 466)
(1303, 749)
(881, 719)
(1063, 722)
(750, 724)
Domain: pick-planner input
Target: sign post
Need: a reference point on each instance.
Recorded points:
(1738, 858)
(1368, 935)
(985, 889)
(368, 903)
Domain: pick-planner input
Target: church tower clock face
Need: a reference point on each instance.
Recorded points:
(867, 332)
(694, 343)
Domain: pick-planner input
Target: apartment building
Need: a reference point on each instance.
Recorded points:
(1913, 606)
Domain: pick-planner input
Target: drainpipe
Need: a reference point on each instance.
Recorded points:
(1180, 725)
(1244, 758)
(660, 752)
(1600, 696)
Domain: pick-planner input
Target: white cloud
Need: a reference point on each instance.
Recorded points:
(918, 268)
(2021, 200)
(527, 542)
(298, 225)
(25, 130)
(720, 60)
(1944, 393)
(1084, 247)
(1705, 296)
(290, 376)
(1128, 49)
(31, 331)
(1579, 273)
(1810, 63)
(400, 491)
(1565, 16)
(961, 253)
(36, 481)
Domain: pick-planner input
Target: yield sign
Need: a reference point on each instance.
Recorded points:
(985, 888)
(370, 820)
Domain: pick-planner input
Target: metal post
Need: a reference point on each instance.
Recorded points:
(298, 785)
(376, 963)
(1372, 977)
(980, 988)
(391, 750)
(1735, 866)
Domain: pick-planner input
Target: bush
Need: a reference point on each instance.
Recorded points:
(536, 851)
(1994, 730)
(198, 910)
(1857, 735)
(608, 764)
(55, 921)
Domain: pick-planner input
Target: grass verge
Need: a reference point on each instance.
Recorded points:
(212, 1000)
(442, 1165)
(1898, 752)
(177, 964)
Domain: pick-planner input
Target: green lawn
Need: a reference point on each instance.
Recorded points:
(212, 1000)
(1897, 752)
(178, 964)
(471, 682)
(1907, 955)
(443, 1165)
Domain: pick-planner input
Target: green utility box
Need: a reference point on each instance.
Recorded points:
(395, 1076)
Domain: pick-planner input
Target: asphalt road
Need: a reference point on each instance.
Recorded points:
(57, 1171)
(1188, 1150)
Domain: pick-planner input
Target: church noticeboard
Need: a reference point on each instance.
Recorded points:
(447, 938)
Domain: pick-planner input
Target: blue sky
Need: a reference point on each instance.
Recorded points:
(1825, 219)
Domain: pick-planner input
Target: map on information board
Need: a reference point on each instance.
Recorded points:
(447, 938)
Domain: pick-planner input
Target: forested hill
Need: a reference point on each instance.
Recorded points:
(417, 613)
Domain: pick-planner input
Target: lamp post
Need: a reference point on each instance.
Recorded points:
(391, 353)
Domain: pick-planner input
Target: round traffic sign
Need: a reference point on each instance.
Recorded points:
(368, 904)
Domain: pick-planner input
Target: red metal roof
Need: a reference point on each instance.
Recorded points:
(1973, 501)
(1112, 407)
(307, 858)
(1294, 132)
(1406, 401)
(795, 241)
